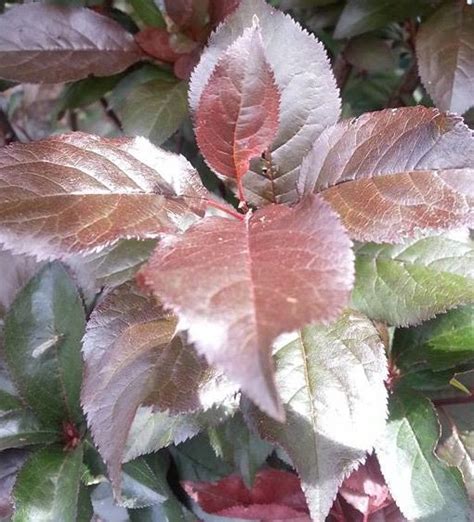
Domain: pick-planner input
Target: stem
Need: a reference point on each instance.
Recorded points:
(6, 129)
(243, 204)
(223, 208)
(454, 400)
(111, 114)
(342, 70)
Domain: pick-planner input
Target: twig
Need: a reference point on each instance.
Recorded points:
(73, 123)
(112, 115)
(342, 70)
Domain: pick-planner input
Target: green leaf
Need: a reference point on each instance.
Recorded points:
(140, 486)
(155, 109)
(444, 342)
(233, 442)
(148, 13)
(152, 431)
(423, 487)
(85, 511)
(43, 332)
(406, 284)
(332, 384)
(196, 460)
(361, 16)
(111, 266)
(9, 402)
(170, 511)
(87, 91)
(21, 428)
(47, 486)
(458, 450)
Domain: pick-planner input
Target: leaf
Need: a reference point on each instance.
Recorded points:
(42, 43)
(152, 431)
(365, 488)
(111, 266)
(237, 115)
(422, 486)
(275, 495)
(254, 279)
(436, 274)
(10, 463)
(361, 16)
(458, 450)
(155, 110)
(43, 331)
(86, 92)
(444, 342)
(445, 54)
(219, 10)
(370, 54)
(332, 385)
(80, 193)
(16, 272)
(47, 486)
(131, 356)
(187, 13)
(141, 487)
(21, 428)
(395, 173)
(309, 99)
(233, 442)
(148, 13)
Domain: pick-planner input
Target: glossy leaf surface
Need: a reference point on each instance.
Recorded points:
(331, 380)
(42, 43)
(254, 279)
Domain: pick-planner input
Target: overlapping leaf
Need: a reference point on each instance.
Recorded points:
(253, 279)
(20, 428)
(47, 486)
(395, 173)
(131, 355)
(43, 331)
(444, 342)
(309, 96)
(445, 52)
(237, 115)
(79, 193)
(331, 381)
(42, 43)
(423, 487)
(436, 274)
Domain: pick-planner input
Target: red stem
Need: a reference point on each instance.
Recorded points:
(454, 400)
(227, 210)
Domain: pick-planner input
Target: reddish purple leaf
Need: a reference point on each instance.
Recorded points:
(237, 116)
(221, 9)
(395, 173)
(252, 280)
(77, 192)
(309, 98)
(155, 41)
(42, 43)
(275, 495)
(365, 488)
(133, 357)
(445, 53)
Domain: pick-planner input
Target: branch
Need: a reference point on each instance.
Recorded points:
(6, 129)
(112, 115)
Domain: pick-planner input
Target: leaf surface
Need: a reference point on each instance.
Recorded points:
(21, 428)
(361, 16)
(131, 356)
(80, 193)
(422, 486)
(42, 43)
(155, 110)
(436, 274)
(10, 463)
(237, 115)
(309, 99)
(444, 342)
(253, 279)
(275, 495)
(43, 332)
(332, 385)
(445, 53)
(395, 173)
(47, 486)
